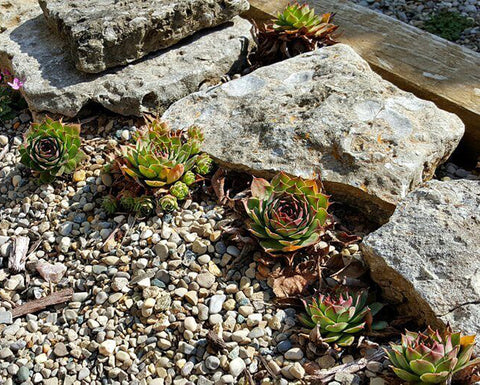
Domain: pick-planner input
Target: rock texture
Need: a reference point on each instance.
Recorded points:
(427, 258)
(53, 85)
(12, 12)
(106, 33)
(325, 112)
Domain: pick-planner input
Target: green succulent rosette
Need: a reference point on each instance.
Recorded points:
(296, 16)
(160, 156)
(341, 315)
(287, 214)
(179, 190)
(144, 206)
(110, 204)
(52, 148)
(127, 200)
(189, 178)
(301, 18)
(204, 164)
(168, 203)
(432, 357)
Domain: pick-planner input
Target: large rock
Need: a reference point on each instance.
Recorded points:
(55, 86)
(325, 112)
(427, 257)
(106, 33)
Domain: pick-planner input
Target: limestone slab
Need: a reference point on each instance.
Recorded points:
(53, 85)
(325, 113)
(101, 34)
(426, 258)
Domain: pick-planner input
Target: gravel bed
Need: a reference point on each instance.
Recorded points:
(145, 298)
(417, 12)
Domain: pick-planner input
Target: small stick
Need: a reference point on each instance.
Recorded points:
(326, 375)
(18, 255)
(215, 341)
(267, 368)
(41, 303)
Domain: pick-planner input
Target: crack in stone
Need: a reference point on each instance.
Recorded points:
(459, 306)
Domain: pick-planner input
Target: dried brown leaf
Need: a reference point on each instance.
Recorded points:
(218, 185)
(290, 286)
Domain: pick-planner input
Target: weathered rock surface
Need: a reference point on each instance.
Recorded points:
(12, 12)
(55, 86)
(106, 33)
(427, 257)
(325, 112)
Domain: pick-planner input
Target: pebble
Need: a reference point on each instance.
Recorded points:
(23, 374)
(236, 366)
(294, 354)
(60, 349)
(6, 317)
(216, 303)
(206, 280)
(212, 363)
(107, 347)
(190, 324)
(297, 371)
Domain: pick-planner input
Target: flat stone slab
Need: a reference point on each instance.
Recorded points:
(53, 84)
(327, 113)
(106, 33)
(427, 257)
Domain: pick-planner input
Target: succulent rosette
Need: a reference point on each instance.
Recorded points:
(432, 357)
(160, 156)
(341, 315)
(127, 200)
(295, 17)
(168, 203)
(189, 178)
(204, 164)
(110, 204)
(179, 190)
(144, 205)
(288, 214)
(295, 30)
(52, 148)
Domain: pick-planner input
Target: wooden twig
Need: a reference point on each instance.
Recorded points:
(267, 368)
(215, 341)
(42, 303)
(248, 377)
(18, 254)
(325, 375)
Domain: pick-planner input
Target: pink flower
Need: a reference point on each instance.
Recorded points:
(16, 84)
